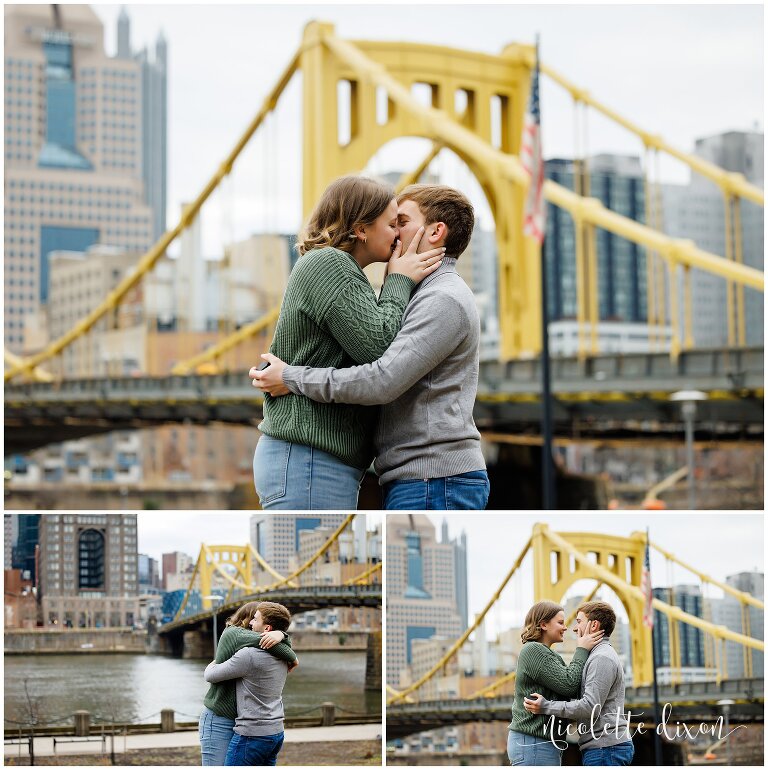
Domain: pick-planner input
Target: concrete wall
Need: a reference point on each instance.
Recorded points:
(23, 641)
(104, 497)
(317, 641)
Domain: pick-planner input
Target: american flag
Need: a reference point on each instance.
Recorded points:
(646, 588)
(533, 163)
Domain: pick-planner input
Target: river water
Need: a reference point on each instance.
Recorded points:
(134, 688)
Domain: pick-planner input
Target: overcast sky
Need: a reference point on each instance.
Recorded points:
(683, 71)
(167, 531)
(718, 544)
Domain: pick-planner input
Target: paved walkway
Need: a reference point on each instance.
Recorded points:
(65, 745)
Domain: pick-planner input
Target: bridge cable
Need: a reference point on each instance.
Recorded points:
(742, 596)
(613, 581)
(488, 690)
(38, 373)
(393, 691)
(746, 629)
(264, 564)
(463, 638)
(736, 183)
(658, 225)
(673, 628)
(738, 251)
(364, 575)
(331, 540)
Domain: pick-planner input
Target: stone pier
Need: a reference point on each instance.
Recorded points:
(373, 678)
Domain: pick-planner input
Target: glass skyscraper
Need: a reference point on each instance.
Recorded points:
(617, 181)
(690, 600)
(422, 588)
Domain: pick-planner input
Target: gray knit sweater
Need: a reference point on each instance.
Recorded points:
(599, 709)
(427, 381)
(259, 681)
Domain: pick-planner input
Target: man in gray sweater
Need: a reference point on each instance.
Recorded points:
(259, 727)
(604, 737)
(428, 454)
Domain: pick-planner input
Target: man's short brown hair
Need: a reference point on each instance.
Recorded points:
(602, 612)
(440, 203)
(275, 615)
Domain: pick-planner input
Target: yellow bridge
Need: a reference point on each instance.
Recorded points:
(376, 70)
(560, 559)
(248, 577)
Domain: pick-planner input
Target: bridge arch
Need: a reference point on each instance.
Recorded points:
(446, 71)
(555, 572)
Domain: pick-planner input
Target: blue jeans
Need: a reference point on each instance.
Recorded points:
(215, 734)
(528, 750)
(610, 756)
(300, 478)
(465, 492)
(254, 749)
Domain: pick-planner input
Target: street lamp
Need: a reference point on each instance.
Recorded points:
(725, 708)
(688, 399)
(214, 598)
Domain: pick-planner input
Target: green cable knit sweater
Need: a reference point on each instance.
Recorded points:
(221, 696)
(331, 317)
(541, 670)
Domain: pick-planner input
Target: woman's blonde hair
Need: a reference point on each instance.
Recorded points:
(347, 203)
(244, 615)
(541, 612)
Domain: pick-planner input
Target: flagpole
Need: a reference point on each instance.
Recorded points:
(658, 758)
(549, 496)
(548, 474)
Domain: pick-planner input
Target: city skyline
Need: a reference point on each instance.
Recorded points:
(737, 547)
(179, 531)
(671, 95)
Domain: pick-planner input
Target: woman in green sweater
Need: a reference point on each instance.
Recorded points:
(217, 719)
(313, 455)
(533, 740)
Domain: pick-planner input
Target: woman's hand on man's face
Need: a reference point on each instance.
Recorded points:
(269, 380)
(589, 635)
(415, 266)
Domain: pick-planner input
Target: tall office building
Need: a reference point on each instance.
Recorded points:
(617, 181)
(276, 538)
(422, 597)
(175, 563)
(27, 540)
(74, 150)
(459, 545)
(89, 570)
(697, 211)
(689, 599)
(742, 619)
(154, 118)
(149, 575)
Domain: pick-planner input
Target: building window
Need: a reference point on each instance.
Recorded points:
(91, 551)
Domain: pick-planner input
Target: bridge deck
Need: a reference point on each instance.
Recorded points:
(295, 599)
(599, 395)
(695, 701)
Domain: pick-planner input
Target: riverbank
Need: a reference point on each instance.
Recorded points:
(65, 641)
(343, 745)
(73, 641)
